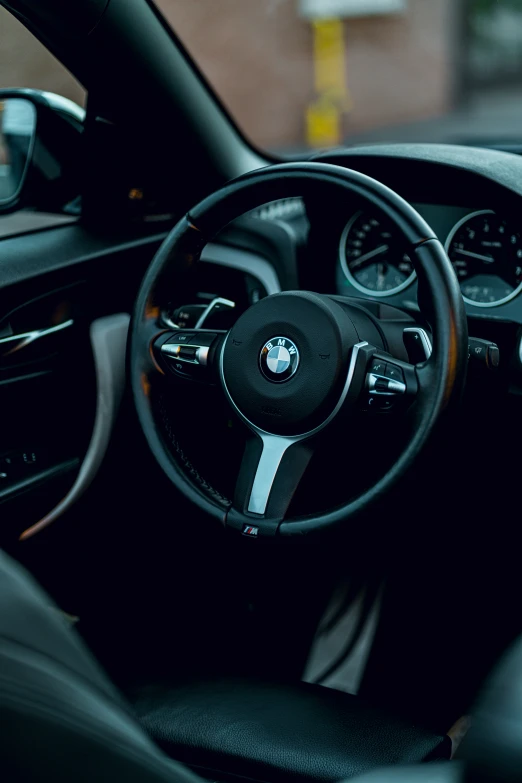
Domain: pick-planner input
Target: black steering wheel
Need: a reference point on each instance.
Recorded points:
(296, 364)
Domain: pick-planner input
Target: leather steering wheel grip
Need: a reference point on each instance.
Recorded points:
(439, 297)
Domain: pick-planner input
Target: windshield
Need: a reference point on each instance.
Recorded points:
(301, 74)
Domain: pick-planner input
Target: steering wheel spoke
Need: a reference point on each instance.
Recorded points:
(188, 354)
(271, 471)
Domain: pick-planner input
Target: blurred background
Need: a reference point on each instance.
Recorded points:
(300, 74)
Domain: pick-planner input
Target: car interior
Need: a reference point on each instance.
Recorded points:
(256, 485)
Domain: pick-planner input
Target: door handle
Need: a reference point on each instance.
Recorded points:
(15, 342)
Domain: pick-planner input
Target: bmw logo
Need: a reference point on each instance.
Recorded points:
(279, 359)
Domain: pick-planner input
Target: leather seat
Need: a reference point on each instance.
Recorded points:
(278, 733)
(62, 720)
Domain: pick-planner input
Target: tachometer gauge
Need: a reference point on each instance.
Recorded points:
(372, 259)
(486, 253)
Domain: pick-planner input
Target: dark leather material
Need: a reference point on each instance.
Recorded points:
(61, 719)
(278, 733)
(492, 749)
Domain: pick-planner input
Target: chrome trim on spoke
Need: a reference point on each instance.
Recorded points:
(275, 446)
(274, 449)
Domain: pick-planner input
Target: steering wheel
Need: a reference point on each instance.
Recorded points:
(297, 365)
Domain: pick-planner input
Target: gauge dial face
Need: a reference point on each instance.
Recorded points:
(486, 253)
(372, 257)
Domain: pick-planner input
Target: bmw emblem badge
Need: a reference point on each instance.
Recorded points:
(279, 359)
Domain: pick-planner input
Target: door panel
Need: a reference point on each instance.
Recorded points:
(54, 286)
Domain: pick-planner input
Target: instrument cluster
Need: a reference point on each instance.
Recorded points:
(484, 247)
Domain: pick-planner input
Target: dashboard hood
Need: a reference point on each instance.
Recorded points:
(502, 168)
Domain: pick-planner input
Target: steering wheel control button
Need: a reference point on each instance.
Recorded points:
(188, 353)
(378, 367)
(378, 385)
(394, 373)
(188, 360)
(279, 359)
(375, 403)
(183, 337)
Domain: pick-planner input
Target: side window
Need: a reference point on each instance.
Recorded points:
(26, 63)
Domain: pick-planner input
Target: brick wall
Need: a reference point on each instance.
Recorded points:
(258, 55)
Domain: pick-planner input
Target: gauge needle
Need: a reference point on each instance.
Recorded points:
(486, 259)
(381, 277)
(366, 257)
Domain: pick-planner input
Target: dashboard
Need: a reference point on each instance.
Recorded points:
(484, 247)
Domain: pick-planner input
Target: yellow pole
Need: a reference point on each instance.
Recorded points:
(324, 114)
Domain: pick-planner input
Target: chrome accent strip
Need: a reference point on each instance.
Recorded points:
(275, 446)
(394, 387)
(171, 350)
(19, 341)
(108, 340)
(247, 262)
(202, 355)
(424, 338)
(207, 311)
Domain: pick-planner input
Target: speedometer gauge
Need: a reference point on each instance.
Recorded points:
(486, 253)
(372, 257)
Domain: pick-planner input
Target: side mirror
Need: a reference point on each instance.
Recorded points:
(40, 137)
(17, 137)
